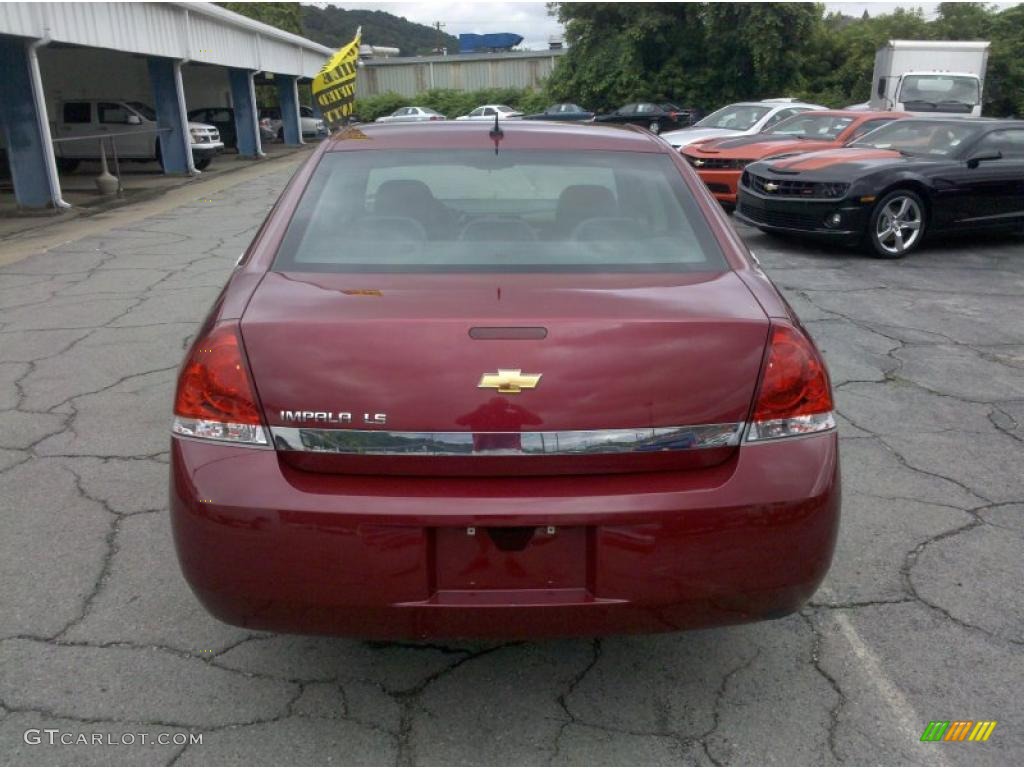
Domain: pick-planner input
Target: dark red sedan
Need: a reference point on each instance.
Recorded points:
(511, 383)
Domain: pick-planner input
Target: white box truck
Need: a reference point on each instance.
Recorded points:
(930, 76)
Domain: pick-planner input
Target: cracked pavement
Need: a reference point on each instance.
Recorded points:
(921, 617)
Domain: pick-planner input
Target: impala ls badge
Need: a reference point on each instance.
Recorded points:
(770, 186)
(509, 381)
(335, 417)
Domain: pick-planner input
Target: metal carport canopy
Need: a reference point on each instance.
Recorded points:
(189, 31)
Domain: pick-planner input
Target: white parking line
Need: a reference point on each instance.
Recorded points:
(908, 721)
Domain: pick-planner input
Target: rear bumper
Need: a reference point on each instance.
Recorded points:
(269, 547)
(804, 217)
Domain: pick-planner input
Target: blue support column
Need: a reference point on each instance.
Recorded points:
(22, 119)
(169, 101)
(243, 99)
(288, 98)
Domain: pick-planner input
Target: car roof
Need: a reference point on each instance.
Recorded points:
(525, 134)
(988, 122)
(856, 114)
(772, 103)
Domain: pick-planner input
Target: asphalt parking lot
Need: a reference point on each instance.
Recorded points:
(920, 619)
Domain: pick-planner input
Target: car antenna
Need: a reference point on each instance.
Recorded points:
(496, 133)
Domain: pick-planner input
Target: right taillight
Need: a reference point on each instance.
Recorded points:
(795, 397)
(215, 399)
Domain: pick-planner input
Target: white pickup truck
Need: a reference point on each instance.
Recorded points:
(131, 124)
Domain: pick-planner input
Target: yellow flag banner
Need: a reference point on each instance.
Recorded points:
(334, 87)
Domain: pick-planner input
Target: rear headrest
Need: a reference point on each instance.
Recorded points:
(584, 201)
(402, 196)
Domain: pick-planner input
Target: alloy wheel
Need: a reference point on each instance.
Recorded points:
(898, 225)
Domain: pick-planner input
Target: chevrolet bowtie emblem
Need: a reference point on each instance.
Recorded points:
(509, 381)
(770, 186)
(698, 162)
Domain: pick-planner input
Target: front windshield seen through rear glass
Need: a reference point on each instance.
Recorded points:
(738, 117)
(918, 137)
(517, 211)
(810, 125)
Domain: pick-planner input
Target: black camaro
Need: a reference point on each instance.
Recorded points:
(654, 117)
(894, 185)
(562, 112)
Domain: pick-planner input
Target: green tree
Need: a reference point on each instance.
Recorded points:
(1004, 84)
(692, 53)
(286, 16)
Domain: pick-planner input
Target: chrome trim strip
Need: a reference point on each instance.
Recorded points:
(370, 442)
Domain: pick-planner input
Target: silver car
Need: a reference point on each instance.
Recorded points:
(411, 115)
(270, 122)
(744, 118)
(488, 111)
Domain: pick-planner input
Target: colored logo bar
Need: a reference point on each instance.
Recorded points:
(959, 730)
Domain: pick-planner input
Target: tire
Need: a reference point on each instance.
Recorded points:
(160, 157)
(202, 164)
(655, 127)
(67, 164)
(280, 134)
(896, 225)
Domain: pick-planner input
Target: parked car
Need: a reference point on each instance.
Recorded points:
(312, 126)
(566, 111)
(895, 185)
(411, 115)
(136, 126)
(745, 117)
(488, 111)
(223, 119)
(655, 117)
(719, 162)
(543, 391)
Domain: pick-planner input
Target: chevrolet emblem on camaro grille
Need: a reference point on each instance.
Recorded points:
(509, 381)
(770, 186)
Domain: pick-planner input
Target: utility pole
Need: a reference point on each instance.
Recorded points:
(438, 48)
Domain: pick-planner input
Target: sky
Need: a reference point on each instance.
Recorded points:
(531, 20)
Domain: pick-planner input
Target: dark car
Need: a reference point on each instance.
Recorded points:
(652, 116)
(513, 383)
(894, 186)
(567, 111)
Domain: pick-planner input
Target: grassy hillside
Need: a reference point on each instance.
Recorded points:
(334, 27)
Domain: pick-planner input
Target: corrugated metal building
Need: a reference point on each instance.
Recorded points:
(465, 72)
(137, 50)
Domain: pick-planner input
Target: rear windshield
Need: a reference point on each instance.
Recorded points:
(519, 211)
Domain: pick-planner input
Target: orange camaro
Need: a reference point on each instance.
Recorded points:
(721, 161)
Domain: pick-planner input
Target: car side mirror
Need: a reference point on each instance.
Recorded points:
(980, 157)
(133, 120)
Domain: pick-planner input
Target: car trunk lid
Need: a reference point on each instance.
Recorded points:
(414, 373)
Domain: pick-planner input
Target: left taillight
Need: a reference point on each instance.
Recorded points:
(215, 399)
(795, 396)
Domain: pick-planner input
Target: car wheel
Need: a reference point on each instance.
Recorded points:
(655, 127)
(202, 164)
(159, 156)
(280, 134)
(67, 165)
(896, 225)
